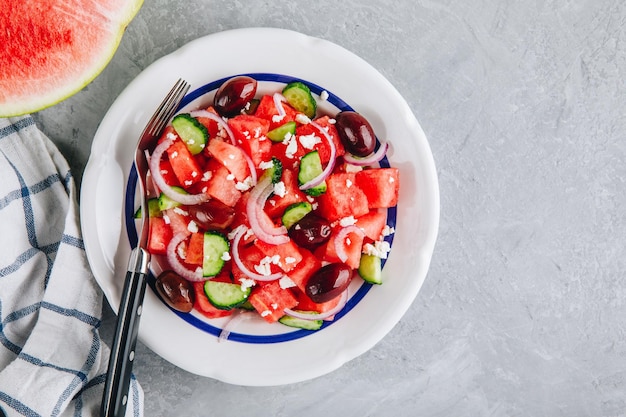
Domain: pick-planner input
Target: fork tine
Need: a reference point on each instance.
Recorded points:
(167, 107)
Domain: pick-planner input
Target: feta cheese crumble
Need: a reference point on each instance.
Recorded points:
(246, 283)
(266, 165)
(193, 227)
(380, 248)
(180, 211)
(347, 221)
(279, 189)
(302, 119)
(277, 118)
(309, 141)
(245, 185)
(286, 282)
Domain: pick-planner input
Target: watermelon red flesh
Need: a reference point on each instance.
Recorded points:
(178, 222)
(184, 165)
(276, 205)
(342, 197)
(322, 147)
(210, 124)
(195, 249)
(249, 132)
(380, 186)
(267, 110)
(51, 49)
(270, 300)
(353, 246)
(251, 256)
(288, 254)
(168, 172)
(305, 269)
(221, 185)
(159, 236)
(231, 157)
(373, 223)
(306, 304)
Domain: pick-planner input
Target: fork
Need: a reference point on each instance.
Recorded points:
(115, 396)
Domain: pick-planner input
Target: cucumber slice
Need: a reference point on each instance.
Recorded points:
(246, 305)
(295, 212)
(275, 171)
(167, 203)
(278, 134)
(153, 209)
(225, 295)
(299, 97)
(311, 167)
(191, 131)
(370, 269)
(215, 246)
(301, 323)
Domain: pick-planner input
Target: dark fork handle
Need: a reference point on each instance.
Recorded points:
(116, 395)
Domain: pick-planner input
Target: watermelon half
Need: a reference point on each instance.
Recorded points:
(51, 49)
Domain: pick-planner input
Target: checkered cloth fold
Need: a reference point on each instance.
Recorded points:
(52, 360)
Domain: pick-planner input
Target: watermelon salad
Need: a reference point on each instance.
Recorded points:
(262, 206)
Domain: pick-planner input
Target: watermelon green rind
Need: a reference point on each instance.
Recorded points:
(43, 44)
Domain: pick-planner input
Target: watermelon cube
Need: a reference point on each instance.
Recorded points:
(185, 167)
(249, 132)
(167, 172)
(352, 245)
(221, 185)
(267, 110)
(270, 300)
(159, 236)
(195, 249)
(211, 125)
(322, 146)
(380, 186)
(306, 304)
(342, 198)
(287, 255)
(306, 267)
(373, 223)
(231, 157)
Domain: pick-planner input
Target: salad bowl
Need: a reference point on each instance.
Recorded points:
(190, 340)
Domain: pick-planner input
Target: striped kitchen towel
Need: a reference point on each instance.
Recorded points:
(52, 360)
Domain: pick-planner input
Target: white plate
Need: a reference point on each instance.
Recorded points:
(263, 354)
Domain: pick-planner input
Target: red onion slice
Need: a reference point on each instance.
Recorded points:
(238, 261)
(261, 224)
(320, 316)
(238, 316)
(157, 177)
(217, 119)
(331, 162)
(177, 266)
(278, 103)
(340, 240)
(370, 159)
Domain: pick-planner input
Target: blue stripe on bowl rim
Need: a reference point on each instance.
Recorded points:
(129, 213)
